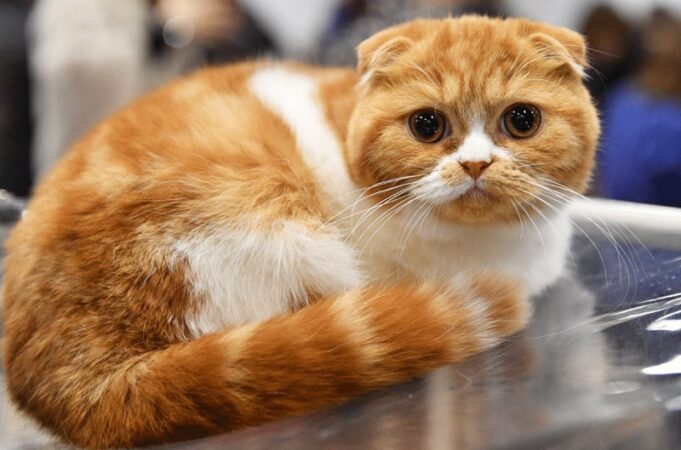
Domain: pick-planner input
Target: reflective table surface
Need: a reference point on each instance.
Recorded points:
(599, 367)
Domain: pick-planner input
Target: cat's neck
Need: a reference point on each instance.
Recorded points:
(338, 93)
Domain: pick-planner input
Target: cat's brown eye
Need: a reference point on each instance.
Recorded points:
(428, 125)
(521, 120)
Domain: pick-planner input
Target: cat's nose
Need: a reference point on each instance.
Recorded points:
(475, 168)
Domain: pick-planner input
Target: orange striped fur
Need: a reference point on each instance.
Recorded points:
(214, 257)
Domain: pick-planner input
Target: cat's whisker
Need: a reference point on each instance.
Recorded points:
(384, 216)
(543, 216)
(363, 197)
(602, 222)
(411, 224)
(626, 261)
(365, 214)
(511, 73)
(399, 189)
(376, 220)
(431, 207)
(532, 222)
(392, 212)
(516, 71)
(553, 207)
(591, 67)
(362, 191)
(422, 168)
(520, 219)
(613, 236)
(538, 211)
(382, 183)
(528, 165)
(386, 220)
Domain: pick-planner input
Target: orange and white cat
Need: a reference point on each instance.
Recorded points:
(263, 239)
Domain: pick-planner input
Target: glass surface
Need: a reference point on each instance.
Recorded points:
(598, 368)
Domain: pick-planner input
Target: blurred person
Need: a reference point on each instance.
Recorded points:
(355, 20)
(15, 120)
(661, 75)
(641, 158)
(613, 49)
(88, 58)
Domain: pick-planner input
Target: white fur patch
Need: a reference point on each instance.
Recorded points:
(535, 255)
(293, 96)
(434, 189)
(477, 146)
(482, 322)
(244, 275)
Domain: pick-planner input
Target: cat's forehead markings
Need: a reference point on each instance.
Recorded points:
(477, 146)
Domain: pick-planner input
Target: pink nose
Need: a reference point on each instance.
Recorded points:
(475, 168)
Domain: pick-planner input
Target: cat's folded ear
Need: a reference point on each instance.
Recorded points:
(378, 51)
(563, 50)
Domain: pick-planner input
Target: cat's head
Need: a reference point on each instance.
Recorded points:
(475, 117)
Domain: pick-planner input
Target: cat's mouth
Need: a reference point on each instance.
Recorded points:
(472, 190)
(476, 192)
(433, 189)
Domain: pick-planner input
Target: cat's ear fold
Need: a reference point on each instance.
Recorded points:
(384, 47)
(563, 48)
(369, 59)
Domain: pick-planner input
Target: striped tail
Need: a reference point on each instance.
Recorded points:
(321, 355)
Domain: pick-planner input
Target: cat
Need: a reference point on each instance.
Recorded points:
(264, 239)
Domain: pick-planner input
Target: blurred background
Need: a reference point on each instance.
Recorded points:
(66, 64)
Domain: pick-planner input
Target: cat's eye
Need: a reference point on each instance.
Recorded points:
(521, 120)
(428, 125)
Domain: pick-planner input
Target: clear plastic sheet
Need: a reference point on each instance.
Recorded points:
(598, 368)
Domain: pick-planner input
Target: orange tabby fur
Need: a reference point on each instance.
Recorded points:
(99, 345)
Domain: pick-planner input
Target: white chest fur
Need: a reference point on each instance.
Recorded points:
(429, 248)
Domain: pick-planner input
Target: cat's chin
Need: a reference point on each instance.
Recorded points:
(477, 208)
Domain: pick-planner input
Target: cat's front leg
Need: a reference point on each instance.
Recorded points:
(499, 304)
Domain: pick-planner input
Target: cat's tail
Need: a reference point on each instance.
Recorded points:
(320, 355)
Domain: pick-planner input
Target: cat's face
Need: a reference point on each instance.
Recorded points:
(473, 117)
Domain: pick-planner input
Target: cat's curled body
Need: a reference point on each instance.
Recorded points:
(211, 258)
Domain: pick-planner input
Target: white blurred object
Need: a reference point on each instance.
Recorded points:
(653, 224)
(85, 60)
(296, 25)
(571, 13)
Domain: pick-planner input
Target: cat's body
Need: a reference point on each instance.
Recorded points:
(249, 192)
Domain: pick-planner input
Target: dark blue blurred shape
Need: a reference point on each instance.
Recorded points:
(641, 158)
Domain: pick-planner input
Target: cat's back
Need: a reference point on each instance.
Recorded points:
(220, 129)
(233, 115)
(213, 149)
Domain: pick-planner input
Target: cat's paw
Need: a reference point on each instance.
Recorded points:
(489, 306)
(503, 302)
(479, 311)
